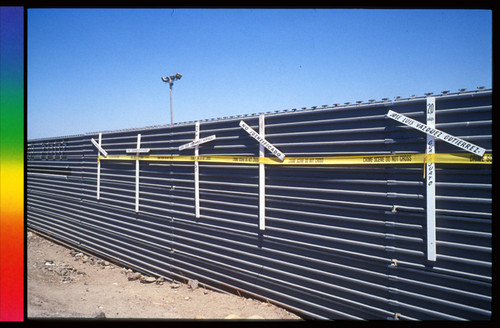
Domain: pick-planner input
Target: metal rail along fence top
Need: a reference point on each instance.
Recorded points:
(377, 210)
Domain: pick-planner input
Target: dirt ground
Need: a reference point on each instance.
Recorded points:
(65, 283)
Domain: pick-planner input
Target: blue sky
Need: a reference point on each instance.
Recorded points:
(100, 69)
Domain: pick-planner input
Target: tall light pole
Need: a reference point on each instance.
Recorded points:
(170, 80)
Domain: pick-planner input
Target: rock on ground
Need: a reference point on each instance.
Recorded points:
(66, 283)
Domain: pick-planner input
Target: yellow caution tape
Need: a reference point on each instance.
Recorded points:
(448, 158)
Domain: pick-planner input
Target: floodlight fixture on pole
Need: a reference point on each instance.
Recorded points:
(170, 80)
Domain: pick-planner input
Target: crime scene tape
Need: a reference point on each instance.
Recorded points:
(443, 158)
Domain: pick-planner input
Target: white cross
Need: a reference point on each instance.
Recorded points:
(105, 153)
(195, 143)
(138, 151)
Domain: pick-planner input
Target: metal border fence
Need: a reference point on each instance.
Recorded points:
(364, 217)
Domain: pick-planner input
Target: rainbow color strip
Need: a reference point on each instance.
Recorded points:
(11, 163)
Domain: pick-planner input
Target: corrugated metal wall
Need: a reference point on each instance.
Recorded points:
(340, 242)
